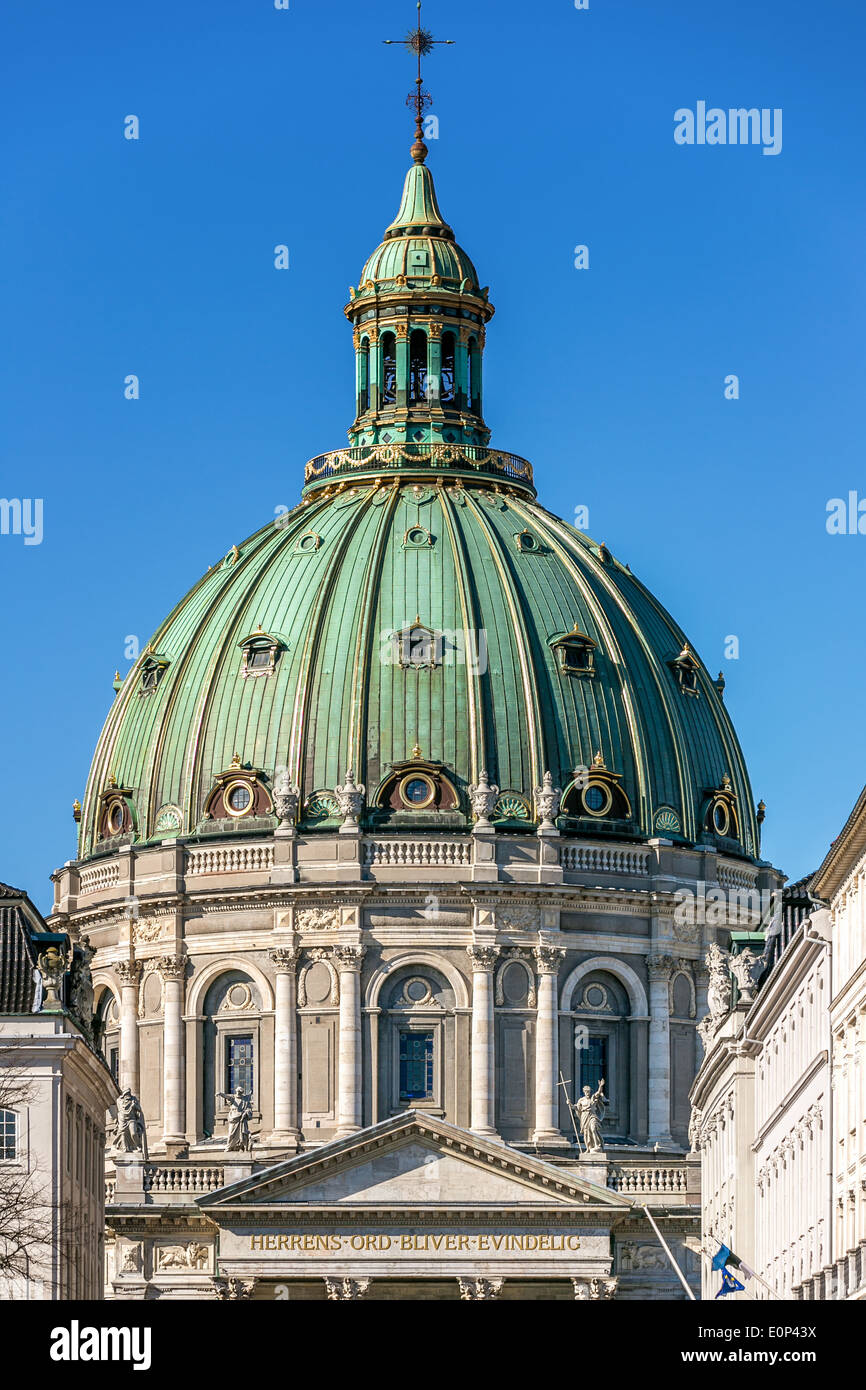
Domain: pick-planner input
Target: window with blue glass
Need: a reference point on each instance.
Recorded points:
(416, 1066)
(239, 1064)
(593, 1062)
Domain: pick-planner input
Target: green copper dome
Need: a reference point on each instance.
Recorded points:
(420, 620)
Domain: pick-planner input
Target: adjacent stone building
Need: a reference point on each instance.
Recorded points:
(841, 879)
(55, 1090)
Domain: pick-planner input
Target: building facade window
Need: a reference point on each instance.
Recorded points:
(416, 1066)
(239, 1064)
(388, 377)
(593, 1062)
(8, 1135)
(417, 366)
(446, 390)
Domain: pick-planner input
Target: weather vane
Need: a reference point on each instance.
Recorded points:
(420, 42)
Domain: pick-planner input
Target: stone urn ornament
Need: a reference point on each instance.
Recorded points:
(547, 799)
(350, 798)
(744, 967)
(483, 799)
(286, 798)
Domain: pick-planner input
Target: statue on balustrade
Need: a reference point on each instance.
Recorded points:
(239, 1139)
(589, 1113)
(130, 1131)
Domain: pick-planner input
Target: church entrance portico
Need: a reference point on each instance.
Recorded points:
(415, 1203)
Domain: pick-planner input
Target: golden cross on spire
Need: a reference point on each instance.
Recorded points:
(420, 42)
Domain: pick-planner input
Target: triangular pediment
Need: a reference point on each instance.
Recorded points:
(413, 1161)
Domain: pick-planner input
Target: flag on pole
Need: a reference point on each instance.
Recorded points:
(726, 1256)
(729, 1284)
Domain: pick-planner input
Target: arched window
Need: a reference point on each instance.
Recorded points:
(415, 1035)
(107, 1030)
(417, 366)
(364, 376)
(446, 390)
(8, 1136)
(388, 377)
(600, 1009)
(232, 1046)
(473, 376)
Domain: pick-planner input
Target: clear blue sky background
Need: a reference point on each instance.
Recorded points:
(556, 128)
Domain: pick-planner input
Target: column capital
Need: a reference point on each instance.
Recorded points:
(482, 957)
(172, 967)
(284, 958)
(480, 1289)
(548, 959)
(128, 972)
(343, 1289)
(349, 957)
(234, 1288)
(659, 967)
(595, 1288)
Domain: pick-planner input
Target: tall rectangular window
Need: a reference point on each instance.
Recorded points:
(114, 1061)
(416, 1066)
(8, 1134)
(593, 1062)
(239, 1064)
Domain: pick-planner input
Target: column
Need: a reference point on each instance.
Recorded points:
(702, 977)
(483, 959)
(348, 961)
(659, 969)
(172, 969)
(285, 960)
(548, 960)
(129, 974)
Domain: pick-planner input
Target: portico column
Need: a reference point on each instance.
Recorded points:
(548, 960)
(285, 960)
(659, 970)
(129, 974)
(483, 959)
(348, 959)
(172, 969)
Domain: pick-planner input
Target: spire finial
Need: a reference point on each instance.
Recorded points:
(421, 42)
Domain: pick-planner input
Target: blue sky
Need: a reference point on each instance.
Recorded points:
(260, 127)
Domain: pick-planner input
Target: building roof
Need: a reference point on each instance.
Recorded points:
(845, 852)
(786, 915)
(17, 953)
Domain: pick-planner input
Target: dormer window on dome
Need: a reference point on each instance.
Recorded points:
(114, 816)
(596, 793)
(416, 647)
(260, 653)
(575, 653)
(685, 667)
(417, 785)
(153, 668)
(239, 792)
(720, 812)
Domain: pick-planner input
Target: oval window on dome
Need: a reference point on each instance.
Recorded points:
(597, 799)
(721, 819)
(417, 792)
(116, 817)
(238, 799)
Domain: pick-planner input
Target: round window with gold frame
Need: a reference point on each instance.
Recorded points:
(596, 798)
(721, 818)
(238, 799)
(417, 791)
(115, 818)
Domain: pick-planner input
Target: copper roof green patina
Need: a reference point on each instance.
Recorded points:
(394, 537)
